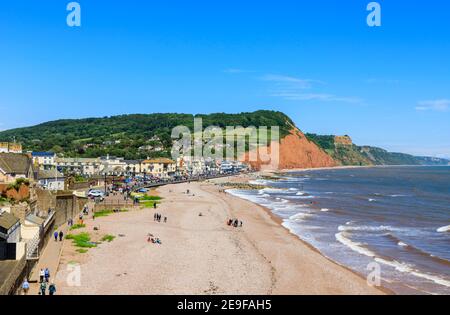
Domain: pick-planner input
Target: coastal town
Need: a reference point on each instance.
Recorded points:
(72, 226)
(41, 191)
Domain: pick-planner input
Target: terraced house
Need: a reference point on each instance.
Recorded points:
(82, 166)
(161, 168)
(45, 160)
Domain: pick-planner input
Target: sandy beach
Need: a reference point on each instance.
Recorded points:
(202, 254)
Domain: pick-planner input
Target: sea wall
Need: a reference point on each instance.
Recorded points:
(68, 206)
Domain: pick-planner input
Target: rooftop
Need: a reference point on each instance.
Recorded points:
(7, 220)
(42, 154)
(44, 174)
(35, 219)
(15, 163)
(159, 161)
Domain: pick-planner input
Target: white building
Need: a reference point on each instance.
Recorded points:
(112, 165)
(45, 160)
(51, 179)
(81, 166)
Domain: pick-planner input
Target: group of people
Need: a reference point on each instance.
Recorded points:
(234, 222)
(152, 239)
(60, 235)
(158, 217)
(44, 280)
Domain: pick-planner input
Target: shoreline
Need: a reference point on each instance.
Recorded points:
(278, 220)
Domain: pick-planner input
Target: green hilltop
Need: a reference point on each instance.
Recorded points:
(130, 136)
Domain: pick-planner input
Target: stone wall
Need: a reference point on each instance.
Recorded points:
(14, 278)
(45, 199)
(78, 186)
(68, 206)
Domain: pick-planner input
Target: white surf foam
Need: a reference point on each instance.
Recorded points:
(357, 247)
(405, 268)
(367, 228)
(275, 191)
(300, 216)
(444, 229)
(258, 182)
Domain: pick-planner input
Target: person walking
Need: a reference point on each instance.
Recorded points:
(52, 289)
(42, 288)
(41, 275)
(61, 235)
(25, 287)
(56, 236)
(46, 274)
(165, 219)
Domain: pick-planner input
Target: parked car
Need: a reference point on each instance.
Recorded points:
(96, 193)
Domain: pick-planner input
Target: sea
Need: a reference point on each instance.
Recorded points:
(391, 221)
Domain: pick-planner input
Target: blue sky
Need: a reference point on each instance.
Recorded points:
(317, 61)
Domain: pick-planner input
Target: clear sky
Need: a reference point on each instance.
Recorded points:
(317, 61)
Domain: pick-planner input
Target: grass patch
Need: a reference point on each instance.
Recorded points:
(102, 213)
(82, 240)
(77, 226)
(105, 213)
(148, 204)
(82, 250)
(108, 238)
(150, 198)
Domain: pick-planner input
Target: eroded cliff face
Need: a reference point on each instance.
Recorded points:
(295, 151)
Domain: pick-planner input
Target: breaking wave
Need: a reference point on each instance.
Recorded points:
(444, 229)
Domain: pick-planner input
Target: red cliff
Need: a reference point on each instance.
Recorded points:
(295, 151)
